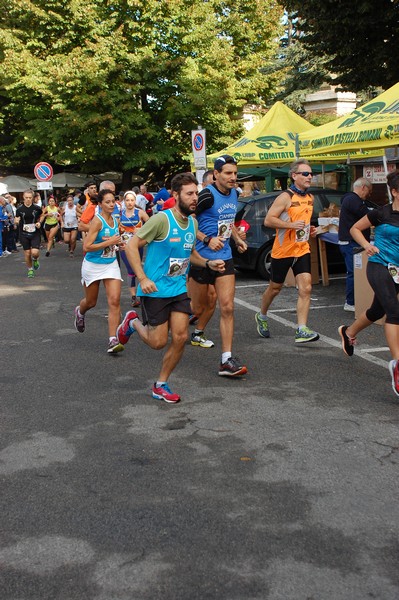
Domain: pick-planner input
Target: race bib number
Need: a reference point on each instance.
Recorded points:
(225, 227)
(126, 236)
(394, 272)
(109, 252)
(29, 228)
(178, 266)
(302, 235)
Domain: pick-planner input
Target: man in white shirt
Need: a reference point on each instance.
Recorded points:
(141, 201)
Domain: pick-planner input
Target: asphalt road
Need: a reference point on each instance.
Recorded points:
(279, 486)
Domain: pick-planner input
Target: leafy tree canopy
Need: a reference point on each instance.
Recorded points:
(119, 86)
(357, 40)
(301, 73)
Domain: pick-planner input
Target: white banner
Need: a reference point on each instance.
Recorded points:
(376, 173)
(198, 142)
(44, 185)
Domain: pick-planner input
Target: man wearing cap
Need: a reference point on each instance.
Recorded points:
(290, 214)
(216, 211)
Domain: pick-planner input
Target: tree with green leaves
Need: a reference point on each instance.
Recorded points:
(119, 86)
(356, 40)
(301, 72)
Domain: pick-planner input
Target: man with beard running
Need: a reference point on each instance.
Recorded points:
(170, 236)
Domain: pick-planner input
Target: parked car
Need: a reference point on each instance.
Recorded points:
(252, 211)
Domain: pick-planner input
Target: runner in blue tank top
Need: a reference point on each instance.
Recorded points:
(100, 265)
(216, 211)
(170, 236)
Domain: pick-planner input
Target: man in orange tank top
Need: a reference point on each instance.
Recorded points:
(290, 214)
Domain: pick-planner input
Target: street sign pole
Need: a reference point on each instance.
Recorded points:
(44, 174)
(198, 141)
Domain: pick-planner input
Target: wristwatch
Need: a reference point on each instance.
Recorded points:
(206, 240)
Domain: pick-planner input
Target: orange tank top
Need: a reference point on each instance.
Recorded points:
(290, 242)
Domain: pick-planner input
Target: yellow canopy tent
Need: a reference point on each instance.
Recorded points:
(365, 132)
(271, 141)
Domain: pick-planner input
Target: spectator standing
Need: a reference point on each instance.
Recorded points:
(10, 209)
(3, 221)
(353, 208)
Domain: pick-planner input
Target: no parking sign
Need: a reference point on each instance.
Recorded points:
(198, 140)
(43, 171)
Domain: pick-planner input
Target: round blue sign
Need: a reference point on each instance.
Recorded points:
(198, 142)
(43, 171)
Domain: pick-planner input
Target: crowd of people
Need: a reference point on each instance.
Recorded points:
(188, 265)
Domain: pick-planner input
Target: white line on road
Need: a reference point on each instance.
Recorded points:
(251, 285)
(289, 310)
(266, 283)
(379, 349)
(336, 344)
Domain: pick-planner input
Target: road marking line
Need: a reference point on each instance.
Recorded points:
(334, 343)
(379, 349)
(241, 287)
(266, 283)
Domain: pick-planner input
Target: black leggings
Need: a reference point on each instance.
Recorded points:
(385, 300)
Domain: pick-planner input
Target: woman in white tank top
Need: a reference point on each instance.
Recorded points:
(69, 223)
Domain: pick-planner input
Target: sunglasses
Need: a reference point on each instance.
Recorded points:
(304, 173)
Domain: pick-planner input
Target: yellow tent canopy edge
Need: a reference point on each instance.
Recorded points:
(367, 130)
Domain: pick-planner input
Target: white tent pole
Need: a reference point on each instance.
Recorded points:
(385, 163)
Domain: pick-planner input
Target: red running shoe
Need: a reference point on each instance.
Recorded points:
(163, 392)
(125, 329)
(394, 371)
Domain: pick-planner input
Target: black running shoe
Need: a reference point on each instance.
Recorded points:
(347, 342)
(232, 368)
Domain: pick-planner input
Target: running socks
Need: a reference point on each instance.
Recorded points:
(225, 357)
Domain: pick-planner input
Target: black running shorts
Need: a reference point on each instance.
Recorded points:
(156, 311)
(208, 276)
(281, 266)
(30, 242)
